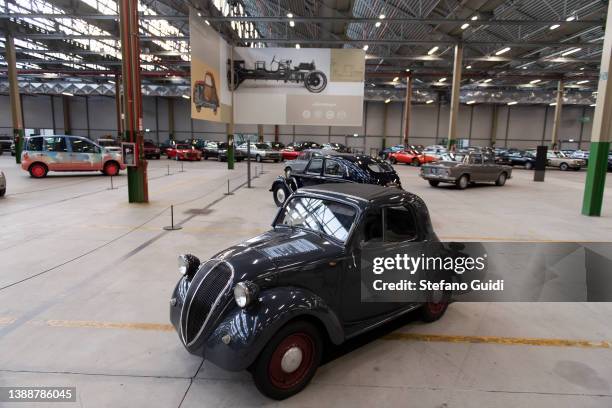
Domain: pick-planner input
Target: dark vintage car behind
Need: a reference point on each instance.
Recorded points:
(516, 158)
(475, 167)
(325, 166)
(273, 302)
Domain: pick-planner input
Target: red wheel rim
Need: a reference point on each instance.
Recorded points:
(435, 308)
(112, 169)
(278, 376)
(38, 170)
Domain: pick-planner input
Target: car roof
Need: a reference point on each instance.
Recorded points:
(363, 193)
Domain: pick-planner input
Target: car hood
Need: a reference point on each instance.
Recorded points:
(262, 256)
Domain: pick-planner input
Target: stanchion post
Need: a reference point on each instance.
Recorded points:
(182, 169)
(172, 227)
(168, 170)
(228, 188)
(248, 164)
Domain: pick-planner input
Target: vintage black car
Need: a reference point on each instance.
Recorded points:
(280, 70)
(516, 158)
(271, 303)
(327, 166)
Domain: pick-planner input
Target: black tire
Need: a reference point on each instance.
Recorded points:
(267, 371)
(111, 168)
(528, 165)
(462, 182)
(38, 170)
(392, 160)
(258, 158)
(576, 168)
(430, 312)
(434, 183)
(280, 193)
(563, 167)
(315, 81)
(501, 179)
(205, 157)
(415, 162)
(2, 192)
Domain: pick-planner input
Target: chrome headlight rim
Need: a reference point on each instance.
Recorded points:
(244, 293)
(188, 265)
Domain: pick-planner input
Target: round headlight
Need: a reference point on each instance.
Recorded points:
(188, 265)
(183, 264)
(244, 293)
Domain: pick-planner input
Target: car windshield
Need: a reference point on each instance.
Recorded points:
(377, 166)
(318, 215)
(262, 146)
(107, 143)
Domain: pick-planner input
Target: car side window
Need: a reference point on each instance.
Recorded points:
(55, 144)
(490, 159)
(334, 168)
(315, 166)
(35, 144)
(400, 225)
(476, 159)
(83, 146)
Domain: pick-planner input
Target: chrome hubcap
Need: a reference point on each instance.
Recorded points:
(280, 195)
(291, 360)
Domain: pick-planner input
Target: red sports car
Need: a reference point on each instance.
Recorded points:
(412, 157)
(184, 152)
(289, 153)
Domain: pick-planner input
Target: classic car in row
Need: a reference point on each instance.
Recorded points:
(292, 150)
(218, 150)
(476, 167)
(151, 151)
(272, 303)
(563, 162)
(184, 152)
(2, 184)
(260, 152)
(42, 154)
(412, 157)
(516, 158)
(325, 166)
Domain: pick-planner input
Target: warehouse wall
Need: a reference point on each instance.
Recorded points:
(517, 126)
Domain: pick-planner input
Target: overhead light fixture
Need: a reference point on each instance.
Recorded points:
(524, 67)
(464, 26)
(355, 134)
(186, 96)
(207, 22)
(474, 18)
(470, 102)
(434, 49)
(487, 80)
(377, 24)
(503, 51)
(552, 104)
(594, 92)
(365, 47)
(291, 23)
(67, 94)
(582, 68)
(554, 26)
(199, 14)
(110, 81)
(468, 67)
(290, 15)
(395, 79)
(382, 17)
(512, 103)
(592, 104)
(407, 69)
(442, 80)
(570, 18)
(429, 101)
(535, 81)
(387, 100)
(584, 81)
(297, 46)
(568, 52)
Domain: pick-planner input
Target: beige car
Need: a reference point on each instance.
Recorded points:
(563, 162)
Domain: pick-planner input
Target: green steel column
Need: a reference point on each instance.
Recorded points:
(554, 140)
(407, 110)
(132, 98)
(230, 125)
(455, 91)
(602, 129)
(15, 98)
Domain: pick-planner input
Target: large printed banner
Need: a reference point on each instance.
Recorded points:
(276, 86)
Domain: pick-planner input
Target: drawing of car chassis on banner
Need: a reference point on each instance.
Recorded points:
(205, 93)
(280, 70)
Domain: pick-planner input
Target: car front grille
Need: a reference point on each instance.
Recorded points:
(207, 290)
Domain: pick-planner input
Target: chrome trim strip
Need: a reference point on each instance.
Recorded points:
(217, 300)
(387, 320)
(189, 307)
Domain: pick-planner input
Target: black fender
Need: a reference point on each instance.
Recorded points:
(251, 328)
(290, 183)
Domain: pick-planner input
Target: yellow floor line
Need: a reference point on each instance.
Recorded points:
(445, 338)
(109, 325)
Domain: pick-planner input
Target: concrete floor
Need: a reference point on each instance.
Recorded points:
(85, 281)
